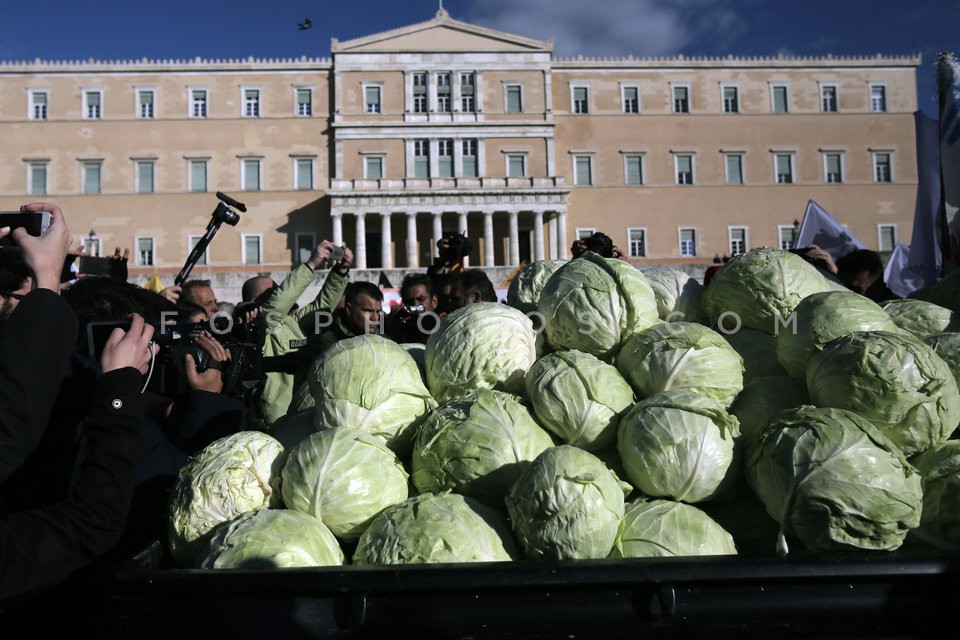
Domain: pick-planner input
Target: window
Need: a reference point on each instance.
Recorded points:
(779, 98)
(788, 236)
(886, 237)
(832, 164)
(305, 243)
(637, 243)
(373, 167)
(633, 169)
(144, 256)
(304, 174)
(878, 98)
(38, 105)
(738, 240)
(92, 102)
(145, 103)
(421, 159)
(145, 169)
(688, 243)
(468, 101)
(514, 97)
(684, 167)
(191, 243)
(585, 232)
(419, 93)
(681, 99)
(630, 94)
(445, 158)
(731, 99)
(443, 93)
(304, 102)
(784, 168)
(582, 171)
(516, 165)
(198, 103)
(251, 103)
(251, 175)
(371, 99)
(38, 179)
(733, 164)
(91, 177)
(198, 175)
(882, 171)
(470, 161)
(251, 249)
(828, 98)
(581, 97)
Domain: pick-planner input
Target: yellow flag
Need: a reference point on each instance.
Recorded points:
(154, 284)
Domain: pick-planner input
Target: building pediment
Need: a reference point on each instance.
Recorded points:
(442, 33)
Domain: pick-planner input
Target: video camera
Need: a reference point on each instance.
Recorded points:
(176, 340)
(457, 246)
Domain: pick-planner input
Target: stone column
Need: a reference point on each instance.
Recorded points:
(514, 239)
(386, 241)
(361, 249)
(462, 228)
(337, 218)
(488, 239)
(437, 231)
(552, 234)
(564, 249)
(413, 261)
(538, 235)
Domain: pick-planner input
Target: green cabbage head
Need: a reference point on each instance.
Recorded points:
(578, 397)
(677, 293)
(228, 477)
(525, 287)
(662, 528)
(343, 477)
(678, 444)
(487, 345)
(822, 317)
(758, 289)
(939, 468)
(566, 505)
(592, 304)
(370, 383)
(477, 445)
(920, 317)
(894, 380)
(271, 539)
(436, 528)
(759, 353)
(833, 481)
(762, 400)
(682, 355)
(947, 346)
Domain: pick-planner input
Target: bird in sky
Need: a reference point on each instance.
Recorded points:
(306, 24)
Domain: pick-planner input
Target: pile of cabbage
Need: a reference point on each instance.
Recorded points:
(604, 411)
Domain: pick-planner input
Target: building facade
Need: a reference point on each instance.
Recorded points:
(445, 126)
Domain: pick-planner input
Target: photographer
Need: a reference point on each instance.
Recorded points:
(600, 243)
(418, 317)
(285, 333)
(452, 248)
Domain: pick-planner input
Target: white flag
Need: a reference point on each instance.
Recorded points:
(819, 228)
(896, 272)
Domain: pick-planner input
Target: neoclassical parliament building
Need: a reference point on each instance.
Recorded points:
(444, 126)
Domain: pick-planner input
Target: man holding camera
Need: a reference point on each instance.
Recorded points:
(285, 362)
(418, 317)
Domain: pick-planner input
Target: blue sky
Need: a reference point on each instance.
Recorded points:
(133, 29)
